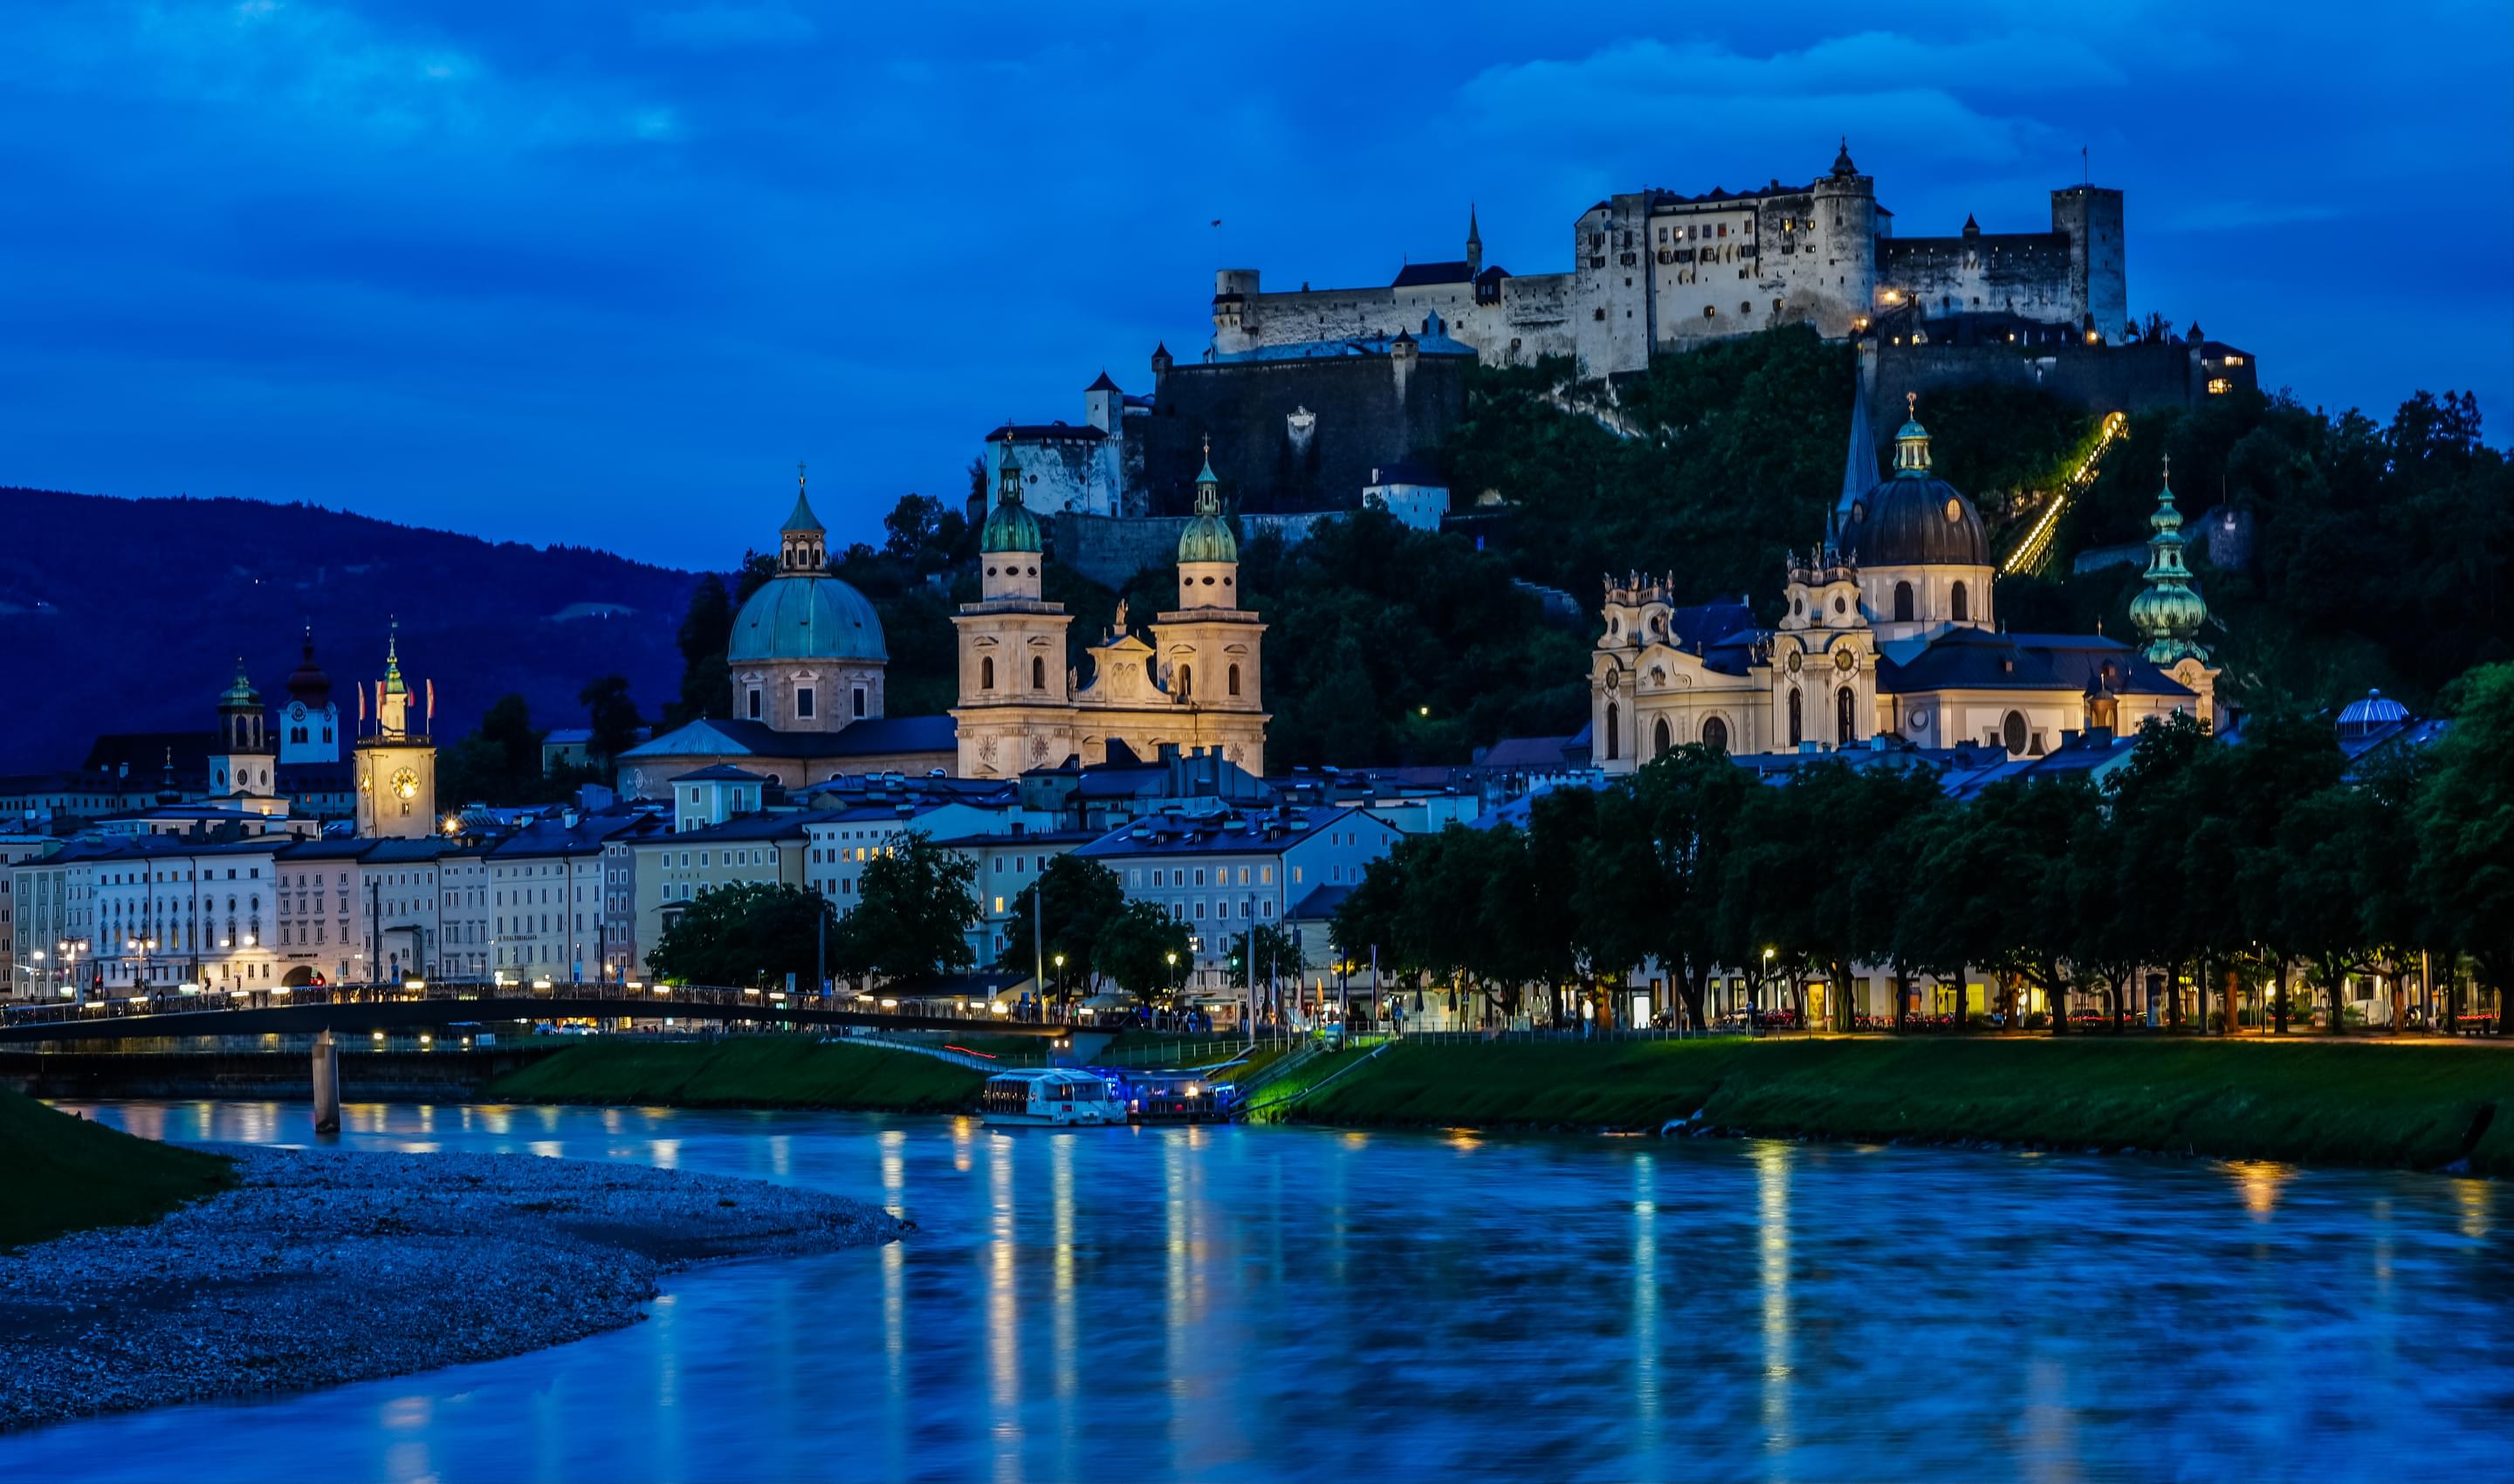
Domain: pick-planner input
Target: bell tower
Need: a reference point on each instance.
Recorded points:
(1015, 711)
(397, 762)
(243, 765)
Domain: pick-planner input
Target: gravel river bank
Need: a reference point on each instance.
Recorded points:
(324, 1266)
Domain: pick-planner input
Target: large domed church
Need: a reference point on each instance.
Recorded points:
(807, 661)
(1891, 638)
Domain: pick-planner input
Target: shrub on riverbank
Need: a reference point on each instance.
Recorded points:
(744, 1071)
(62, 1174)
(2420, 1105)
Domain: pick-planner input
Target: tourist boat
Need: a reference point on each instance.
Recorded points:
(1056, 1097)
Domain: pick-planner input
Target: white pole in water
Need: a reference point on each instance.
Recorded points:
(327, 1083)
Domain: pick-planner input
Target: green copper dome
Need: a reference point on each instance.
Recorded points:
(1009, 527)
(2168, 613)
(240, 694)
(1208, 536)
(807, 616)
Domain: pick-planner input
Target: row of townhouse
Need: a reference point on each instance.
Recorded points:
(1221, 871)
(103, 914)
(1213, 864)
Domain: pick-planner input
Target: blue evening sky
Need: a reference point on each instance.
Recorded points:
(601, 273)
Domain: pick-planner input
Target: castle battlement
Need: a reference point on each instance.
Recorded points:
(1654, 272)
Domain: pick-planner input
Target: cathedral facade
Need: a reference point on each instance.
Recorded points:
(1189, 681)
(1891, 638)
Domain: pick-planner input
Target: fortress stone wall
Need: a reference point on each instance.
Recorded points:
(1654, 272)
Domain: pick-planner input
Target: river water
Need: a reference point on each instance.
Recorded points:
(1283, 1303)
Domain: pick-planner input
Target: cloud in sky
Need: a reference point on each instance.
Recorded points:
(596, 274)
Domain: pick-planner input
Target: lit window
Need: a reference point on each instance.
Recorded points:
(2218, 386)
(2234, 360)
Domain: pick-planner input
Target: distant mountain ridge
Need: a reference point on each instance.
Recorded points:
(127, 616)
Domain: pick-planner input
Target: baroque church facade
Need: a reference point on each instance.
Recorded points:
(1190, 681)
(1891, 638)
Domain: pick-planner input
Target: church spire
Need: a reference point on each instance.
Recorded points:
(1475, 243)
(1860, 460)
(2169, 612)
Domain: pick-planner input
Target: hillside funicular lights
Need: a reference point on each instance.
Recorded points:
(2035, 546)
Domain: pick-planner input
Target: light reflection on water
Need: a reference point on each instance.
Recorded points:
(1280, 1303)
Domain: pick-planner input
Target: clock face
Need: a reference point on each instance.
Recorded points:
(406, 784)
(1845, 660)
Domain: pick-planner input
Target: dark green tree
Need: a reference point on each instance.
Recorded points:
(706, 633)
(915, 907)
(2463, 823)
(1145, 952)
(612, 717)
(745, 933)
(1083, 898)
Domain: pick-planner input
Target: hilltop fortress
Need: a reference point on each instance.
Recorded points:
(1654, 272)
(1320, 400)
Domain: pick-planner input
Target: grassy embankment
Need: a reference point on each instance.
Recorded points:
(744, 1071)
(62, 1174)
(2314, 1102)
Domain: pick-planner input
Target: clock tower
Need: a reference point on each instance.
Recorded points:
(397, 763)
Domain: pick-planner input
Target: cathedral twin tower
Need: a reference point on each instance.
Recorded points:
(1192, 685)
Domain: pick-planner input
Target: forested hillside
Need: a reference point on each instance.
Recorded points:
(128, 615)
(2381, 556)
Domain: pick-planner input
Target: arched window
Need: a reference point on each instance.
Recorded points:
(1846, 715)
(1659, 738)
(1960, 604)
(1038, 672)
(2013, 732)
(1615, 727)
(1902, 602)
(1187, 680)
(987, 673)
(1715, 735)
(1234, 680)
(1798, 720)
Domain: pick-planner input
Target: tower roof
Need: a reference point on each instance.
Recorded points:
(308, 682)
(1104, 383)
(395, 685)
(1841, 164)
(1209, 537)
(1860, 460)
(1474, 235)
(1010, 526)
(240, 695)
(801, 520)
(2169, 612)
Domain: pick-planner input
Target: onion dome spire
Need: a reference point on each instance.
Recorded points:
(308, 682)
(240, 695)
(1009, 527)
(2168, 613)
(395, 685)
(1208, 536)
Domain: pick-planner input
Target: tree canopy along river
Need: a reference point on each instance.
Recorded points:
(1300, 1303)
